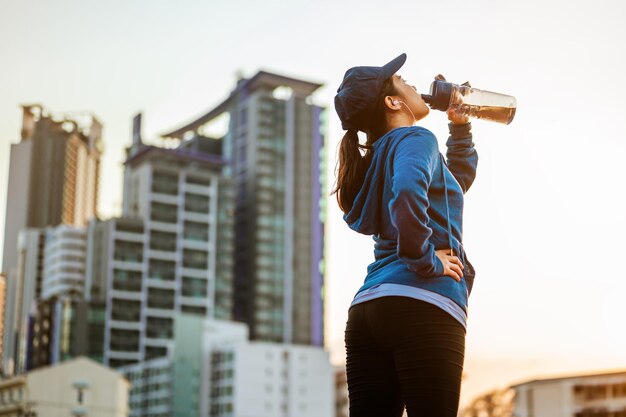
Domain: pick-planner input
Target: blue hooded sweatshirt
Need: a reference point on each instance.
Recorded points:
(411, 202)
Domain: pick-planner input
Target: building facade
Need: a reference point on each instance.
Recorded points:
(170, 252)
(78, 387)
(64, 262)
(151, 394)
(275, 146)
(53, 174)
(215, 371)
(51, 265)
(28, 285)
(63, 328)
(589, 395)
(53, 179)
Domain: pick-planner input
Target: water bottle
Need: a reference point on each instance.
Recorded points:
(480, 104)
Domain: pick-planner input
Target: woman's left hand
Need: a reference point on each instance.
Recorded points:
(457, 117)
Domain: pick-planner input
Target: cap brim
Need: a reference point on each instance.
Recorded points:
(394, 65)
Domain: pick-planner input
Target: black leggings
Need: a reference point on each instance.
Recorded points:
(403, 351)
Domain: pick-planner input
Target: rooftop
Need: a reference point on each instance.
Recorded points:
(261, 79)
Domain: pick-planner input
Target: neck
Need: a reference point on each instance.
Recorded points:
(399, 120)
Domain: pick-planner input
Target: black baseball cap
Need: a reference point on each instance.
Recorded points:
(356, 97)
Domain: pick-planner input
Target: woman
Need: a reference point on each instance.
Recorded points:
(405, 334)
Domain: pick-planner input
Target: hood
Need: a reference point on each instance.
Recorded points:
(366, 214)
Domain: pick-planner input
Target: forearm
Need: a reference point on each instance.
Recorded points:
(461, 154)
(415, 163)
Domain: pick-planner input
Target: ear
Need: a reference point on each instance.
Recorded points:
(392, 102)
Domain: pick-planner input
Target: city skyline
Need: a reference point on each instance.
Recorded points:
(542, 214)
(114, 288)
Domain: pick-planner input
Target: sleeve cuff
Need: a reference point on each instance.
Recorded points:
(459, 130)
(432, 267)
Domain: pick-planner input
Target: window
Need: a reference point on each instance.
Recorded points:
(194, 287)
(159, 328)
(125, 225)
(619, 390)
(199, 310)
(165, 213)
(196, 259)
(124, 340)
(155, 352)
(126, 280)
(196, 203)
(128, 251)
(162, 270)
(163, 241)
(196, 231)
(125, 310)
(205, 181)
(161, 298)
(165, 183)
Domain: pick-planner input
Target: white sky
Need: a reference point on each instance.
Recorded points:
(544, 220)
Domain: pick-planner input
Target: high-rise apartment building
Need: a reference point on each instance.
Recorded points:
(53, 179)
(53, 174)
(51, 264)
(275, 146)
(170, 252)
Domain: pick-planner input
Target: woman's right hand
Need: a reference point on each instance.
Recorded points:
(452, 265)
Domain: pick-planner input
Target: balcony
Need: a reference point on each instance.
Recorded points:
(128, 236)
(126, 295)
(198, 189)
(162, 255)
(125, 325)
(164, 198)
(195, 273)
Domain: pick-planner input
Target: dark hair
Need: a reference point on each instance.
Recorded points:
(352, 164)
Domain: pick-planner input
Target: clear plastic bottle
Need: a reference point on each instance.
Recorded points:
(480, 104)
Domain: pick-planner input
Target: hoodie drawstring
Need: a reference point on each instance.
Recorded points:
(445, 187)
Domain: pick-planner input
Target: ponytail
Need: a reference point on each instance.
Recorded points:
(352, 164)
(352, 168)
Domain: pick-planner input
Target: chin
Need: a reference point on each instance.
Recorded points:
(425, 111)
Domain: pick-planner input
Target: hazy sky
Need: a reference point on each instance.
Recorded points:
(545, 219)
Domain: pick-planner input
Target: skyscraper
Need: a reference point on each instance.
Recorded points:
(275, 146)
(53, 174)
(53, 179)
